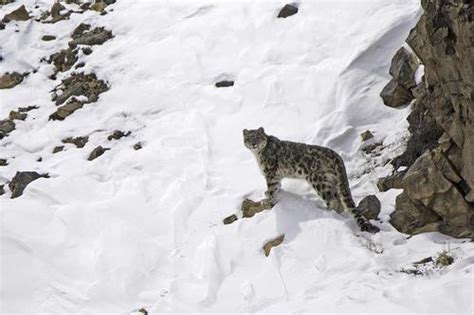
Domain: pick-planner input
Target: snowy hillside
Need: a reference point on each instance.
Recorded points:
(140, 227)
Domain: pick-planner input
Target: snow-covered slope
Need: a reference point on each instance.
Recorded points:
(144, 228)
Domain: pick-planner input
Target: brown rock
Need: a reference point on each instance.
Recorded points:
(9, 80)
(272, 243)
(97, 36)
(79, 142)
(98, 151)
(392, 181)
(57, 149)
(6, 126)
(64, 60)
(250, 208)
(403, 68)
(48, 38)
(395, 95)
(230, 219)
(14, 115)
(80, 84)
(366, 135)
(369, 207)
(20, 14)
(21, 179)
(66, 110)
(118, 134)
(288, 10)
(3, 162)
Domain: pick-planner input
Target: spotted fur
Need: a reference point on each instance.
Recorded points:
(321, 167)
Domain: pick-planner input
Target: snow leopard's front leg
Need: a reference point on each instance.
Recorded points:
(273, 188)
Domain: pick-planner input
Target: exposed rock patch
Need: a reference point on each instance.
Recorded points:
(3, 2)
(20, 14)
(27, 109)
(98, 151)
(66, 110)
(2, 190)
(57, 13)
(137, 146)
(288, 10)
(272, 243)
(58, 148)
(391, 181)
(14, 115)
(366, 135)
(224, 83)
(21, 179)
(83, 36)
(6, 126)
(48, 38)
(64, 60)
(250, 208)
(10, 80)
(118, 134)
(3, 162)
(80, 84)
(79, 142)
(230, 219)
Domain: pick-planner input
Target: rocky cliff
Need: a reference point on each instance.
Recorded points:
(438, 184)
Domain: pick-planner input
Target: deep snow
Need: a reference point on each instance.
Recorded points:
(136, 229)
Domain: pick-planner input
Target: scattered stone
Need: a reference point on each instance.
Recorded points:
(27, 109)
(57, 149)
(224, 83)
(66, 110)
(396, 95)
(97, 36)
(6, 126)
(369, 207)
(2, 26)
(87, 51)
(48, 38)
(230, 219)
(366, 135)
(40, 159)
(54, 14)
(14, 115)
(80, 84)
(137, 146)
(2, 190)
(368, 149)
(79, 142)
(391, 181)
(19, 14)
(3, 162)
(98, 151)
(79, 30)
(98, 6)
(273, 243)
(21, 179)
(64, 60)
(250, 208)
(117, 134)
(288, 10)
(9, 80)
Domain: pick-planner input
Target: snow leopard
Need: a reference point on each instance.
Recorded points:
(321, 167)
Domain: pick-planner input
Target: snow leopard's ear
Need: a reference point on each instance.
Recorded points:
(245, 131)
(261, 129)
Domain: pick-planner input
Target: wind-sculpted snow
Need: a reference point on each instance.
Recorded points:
(143, 228)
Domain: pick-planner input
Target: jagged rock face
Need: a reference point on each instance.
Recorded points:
(439, 184)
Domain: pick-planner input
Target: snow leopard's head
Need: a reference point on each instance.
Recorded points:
(255, 140)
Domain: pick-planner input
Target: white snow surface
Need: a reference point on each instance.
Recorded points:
(143, 229)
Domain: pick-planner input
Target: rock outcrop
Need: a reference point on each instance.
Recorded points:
(438, 187)
(9, 80)
(21, 179)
